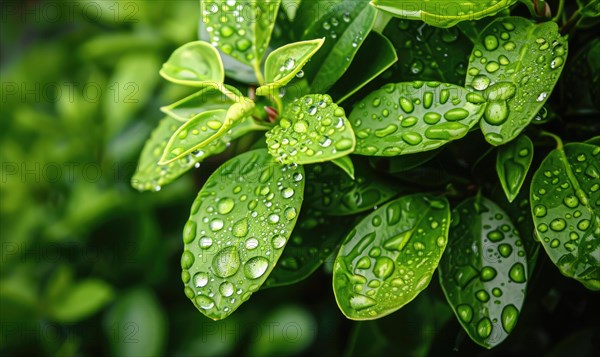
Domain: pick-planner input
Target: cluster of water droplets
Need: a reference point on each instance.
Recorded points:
(312, 128)
(405, 117)
(237, 230)
(390, 256)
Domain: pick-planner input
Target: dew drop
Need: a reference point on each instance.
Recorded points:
(256, 267)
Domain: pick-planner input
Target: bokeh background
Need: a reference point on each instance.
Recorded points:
(89, 266)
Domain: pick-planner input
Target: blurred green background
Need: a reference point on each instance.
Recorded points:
(91, 267)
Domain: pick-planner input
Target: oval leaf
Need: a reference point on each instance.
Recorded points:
(239, 224)
(81, 300)
(484, 271)
(194, 64)
(512, 164)
(312, 129)
(515, 65)
(565, 203)
(345, 163)
(241, 28)
(442, 13)
(390, 256)
(411, 117)
(283, 64)
(209, 97)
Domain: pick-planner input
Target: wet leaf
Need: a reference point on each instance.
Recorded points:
(484, 271)
(565, 203)
(375, 55)
(442, 13)
(512, 163)
(312, 129)
(314, 239)
(195, 64)
(390, 256)
(284, 63)
(515, 65)
(239, 224)
(332, 191)
(412, 117)
(345, 163)
(344, 24)
(207, 98)
(241, 28)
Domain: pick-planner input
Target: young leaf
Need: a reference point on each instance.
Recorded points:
(241, 28)
(345, 163)
(203, 129)
(149, 175)
(411, 117)
(390, 256)
(283, 64)
(239, 224)
(515, 66)
(442, 13)
(207, 98)
(344, 24)
(335, 193)
(195, 64)
(374, 56)
(429, 53)
(484, 271)
(565, 203)
(313, 240)
(312, 129)
(512, 164)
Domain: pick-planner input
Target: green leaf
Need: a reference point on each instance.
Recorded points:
(484, 271)
(81, 301)
(241, 29)
(203, 129)
(209, 97)
(345, 163)
(335, 193)
(515, 66)
(594, 141)
(512, 163)
(397, 165)
(149, 175)
(374, 56)
(194, 64)
(136, 325)
(565, 203)
(344, 24)
(390, 256)
(239, 224)
(313, 240)
(442, 13)
(429, 53)
(411, 117)
(284, 63)
(312, 129)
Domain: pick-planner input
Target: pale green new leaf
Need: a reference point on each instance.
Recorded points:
(195, 64)
(312, 129)
(565, 203)
(282, 64)
(239, 224)
(411, 117)
(512, 163)
(345, 163)
(390, 256)
(442, 13)
(515, 65)
(209, 97)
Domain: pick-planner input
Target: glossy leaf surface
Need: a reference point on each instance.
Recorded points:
(312, 129)
(239, 224)
(284, 63)
(515, 65)
(208, 98)
(484, 271)
(512, 163)
(565, 203)
(194, 64)
(411, 117)
(390, 256)
(442, 13)
(241, 28)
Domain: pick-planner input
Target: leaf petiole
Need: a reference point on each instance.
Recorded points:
(559, 143)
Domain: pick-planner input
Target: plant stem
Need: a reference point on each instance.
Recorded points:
(258, 73)
(559, 143)
(561, 5)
